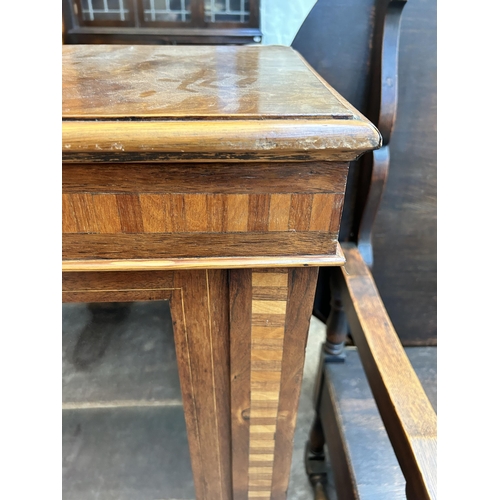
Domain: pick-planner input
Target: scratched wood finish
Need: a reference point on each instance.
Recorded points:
(270, 312)
(192, 82)
(153, 104)
(263, 144)
(408, 416)
(217, 140)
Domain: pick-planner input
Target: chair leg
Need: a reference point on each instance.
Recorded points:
(332, 352)
(315, 460)
(336, 324)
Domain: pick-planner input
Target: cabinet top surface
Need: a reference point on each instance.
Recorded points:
(173, 82)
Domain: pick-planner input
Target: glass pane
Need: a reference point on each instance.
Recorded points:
(227, 11)
(167, 11)
(105, 10)
(124, 433)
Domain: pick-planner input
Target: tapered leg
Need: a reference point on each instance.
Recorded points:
(200, 314)
(270, 315)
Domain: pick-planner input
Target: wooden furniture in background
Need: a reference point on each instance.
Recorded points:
(357, 307)
(342, 41)
(212, 177)
(161, 21)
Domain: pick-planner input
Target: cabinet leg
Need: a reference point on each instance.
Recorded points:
(200, 314)
(270, 314)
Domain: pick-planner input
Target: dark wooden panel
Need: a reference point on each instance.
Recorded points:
(228, 178)
(218, 290)
(335, 40)
(117, 280)
(405, 231)
(129, 208)
(116, 296)
(165, 246)
(258, 219)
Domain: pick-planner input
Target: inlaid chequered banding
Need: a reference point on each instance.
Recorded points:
(269, 302)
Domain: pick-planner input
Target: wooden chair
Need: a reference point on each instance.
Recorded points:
(357, 308)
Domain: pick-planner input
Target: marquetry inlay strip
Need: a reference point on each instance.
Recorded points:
(269, 301)
(136, 213)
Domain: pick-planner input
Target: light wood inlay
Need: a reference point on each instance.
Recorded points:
(132, 213)
(265, 376)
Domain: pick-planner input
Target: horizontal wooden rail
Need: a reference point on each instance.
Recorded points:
(408, 416)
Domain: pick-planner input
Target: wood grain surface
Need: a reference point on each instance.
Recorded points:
(408, 416)
(269, 318)
(201, 329)
(192, 82)
(87, 213)
(216, 140)
(72, 266)
(150, 103)
(213, 178)
(196, 245)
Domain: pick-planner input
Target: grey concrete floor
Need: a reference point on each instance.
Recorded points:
(122, 403)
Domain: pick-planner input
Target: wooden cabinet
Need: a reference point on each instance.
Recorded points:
(212, 177)
(161, 21)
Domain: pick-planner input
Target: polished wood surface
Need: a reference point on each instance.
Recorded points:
(151, 185)
(408, 416)
(270, 313)
(224, 178)
(196, 245)
(128, 211)
(215, 141)
(146, 103)
(336, 259)
(189, 82)
(200, 213)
